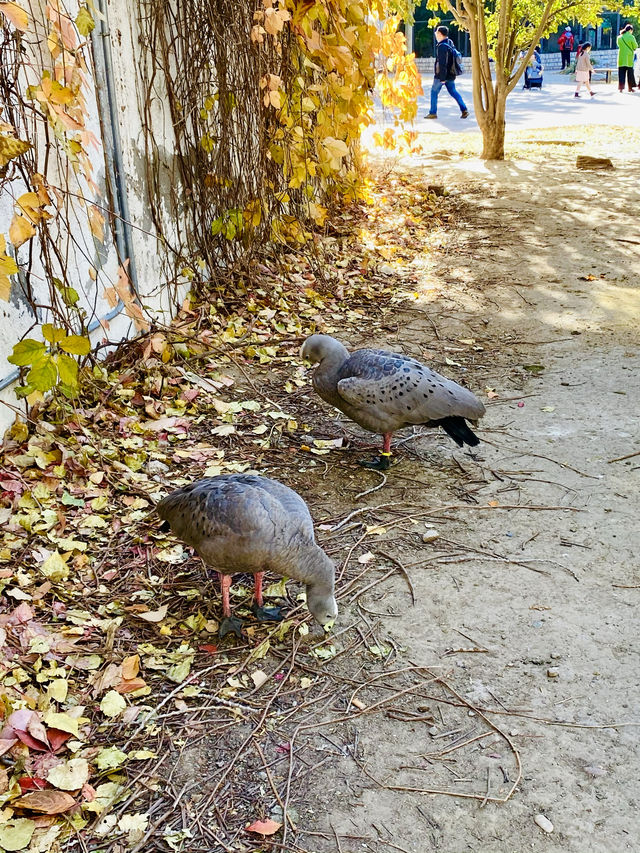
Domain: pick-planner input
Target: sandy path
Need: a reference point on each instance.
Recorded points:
(534, 274)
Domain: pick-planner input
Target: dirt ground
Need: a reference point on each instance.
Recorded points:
(526, 602)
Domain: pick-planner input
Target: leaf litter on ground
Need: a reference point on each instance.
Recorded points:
(108, 663)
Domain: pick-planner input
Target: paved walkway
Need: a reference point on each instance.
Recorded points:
(553, 106)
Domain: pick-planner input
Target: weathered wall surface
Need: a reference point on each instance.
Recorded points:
(121, 160)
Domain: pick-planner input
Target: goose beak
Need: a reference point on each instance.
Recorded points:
(328, 626)
(306, 362)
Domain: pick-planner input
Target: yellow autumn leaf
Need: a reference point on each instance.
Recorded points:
(31, 206)
(96, 223)
(63, 722)
(55, 568)
(11, 147)
(58, 689)
(336, 148)
(7, 267)
(16, 15)
(112, 704)
(20, 230)
(275, 19)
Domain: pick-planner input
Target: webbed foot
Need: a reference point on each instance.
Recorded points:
(380, 463)
(266, 614)
(230, 625)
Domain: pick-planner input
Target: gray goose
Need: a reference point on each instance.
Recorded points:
(385, 391)
(249, 523)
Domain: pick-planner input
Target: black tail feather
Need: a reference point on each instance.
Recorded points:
(459, 431)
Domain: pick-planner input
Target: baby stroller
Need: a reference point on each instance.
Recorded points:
(534, 72)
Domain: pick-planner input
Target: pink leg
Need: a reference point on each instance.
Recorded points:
(225, 584)
(386, 444)
(258, 576)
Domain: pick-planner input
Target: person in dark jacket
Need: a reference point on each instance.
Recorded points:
(445, 73)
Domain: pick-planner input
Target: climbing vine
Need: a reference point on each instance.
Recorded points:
(268, 127)
(47, 169)
(267, 101)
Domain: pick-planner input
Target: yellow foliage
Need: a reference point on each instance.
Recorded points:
(16, 15)
(324, 106)
(7, 267)
(20, 230)
(10, 147)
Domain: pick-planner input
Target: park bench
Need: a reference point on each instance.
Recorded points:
(607, 73)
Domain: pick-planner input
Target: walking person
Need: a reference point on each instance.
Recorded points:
(445, 73)
(583, 69)
(565, 43)
(627, 46)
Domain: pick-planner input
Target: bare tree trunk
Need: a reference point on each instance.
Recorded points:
(493, 138)
(489, 94)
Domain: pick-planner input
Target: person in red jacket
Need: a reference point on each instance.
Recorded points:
(565, 43)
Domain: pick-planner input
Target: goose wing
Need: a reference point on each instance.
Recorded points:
(237, 521)
(395, 386)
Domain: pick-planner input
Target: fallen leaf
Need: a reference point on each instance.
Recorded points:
(142, 754)
(106, 825)
(57, 739)
(16, 834)
(63, 722)
(58, 689)
(264, 827)
(134, 825)
(366, 558)
(110, 757)
(112, 704)
(47, 802)
(171, 555)
(31, 783)
(131, 685)
(130, 666)
(4, 781)
(259, 677)
(28, 722)
(7, 743)
(69, 776)
(154, 615)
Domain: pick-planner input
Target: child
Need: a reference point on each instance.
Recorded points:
(583, 68)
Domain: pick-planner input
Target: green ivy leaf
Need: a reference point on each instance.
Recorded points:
(68, 370)
(26, 352)
(23, 391)
(69, 294)
(53, 335)
(84, 21)
(76, 344)
(44, 375)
